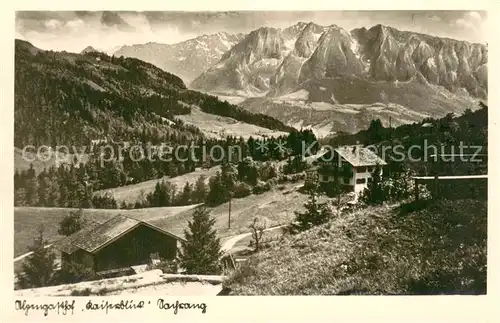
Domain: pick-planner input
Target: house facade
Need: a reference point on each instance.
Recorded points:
(119, 243)
(350, 166)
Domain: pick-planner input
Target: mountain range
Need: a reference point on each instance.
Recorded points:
(279, 61)
(325, 77)
(187, 59)
(332, 79)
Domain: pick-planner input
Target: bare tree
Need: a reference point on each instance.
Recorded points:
(258, 227)
(384, 98)
(342, 201)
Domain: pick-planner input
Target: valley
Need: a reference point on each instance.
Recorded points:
(346, 218)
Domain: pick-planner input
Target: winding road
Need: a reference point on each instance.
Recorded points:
(229, 244)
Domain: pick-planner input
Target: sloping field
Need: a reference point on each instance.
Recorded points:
(275, 207)
(27, 221)
(426, 249)
(214, 126)
(131, 193)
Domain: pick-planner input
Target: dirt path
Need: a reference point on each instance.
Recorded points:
(229, 244)
(21, 257)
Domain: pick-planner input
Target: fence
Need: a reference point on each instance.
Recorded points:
(453, 187)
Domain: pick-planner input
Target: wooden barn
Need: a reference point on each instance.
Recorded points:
(118, 244)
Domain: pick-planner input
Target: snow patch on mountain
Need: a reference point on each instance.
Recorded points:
(187, 59)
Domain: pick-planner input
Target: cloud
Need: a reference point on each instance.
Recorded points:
(472, 23)
(435, 18)
(470, 20)
(113, 19)
(75, 30)
(53, 24)
(75, 24)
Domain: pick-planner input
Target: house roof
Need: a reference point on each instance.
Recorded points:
(69, 243)
(359, 156)
(96, 236)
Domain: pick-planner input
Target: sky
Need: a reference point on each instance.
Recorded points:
(74, 30)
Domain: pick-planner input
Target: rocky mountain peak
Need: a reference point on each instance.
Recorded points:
(281, 61)
(88, 49)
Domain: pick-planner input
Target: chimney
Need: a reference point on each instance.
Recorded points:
(354, 149)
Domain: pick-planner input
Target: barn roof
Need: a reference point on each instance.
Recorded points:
(96, 236)
(68, 244)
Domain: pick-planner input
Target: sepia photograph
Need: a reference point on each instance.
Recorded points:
(227, 153)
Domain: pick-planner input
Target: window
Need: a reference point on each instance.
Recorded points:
(361, 169)
(360, 181)
(370, 169)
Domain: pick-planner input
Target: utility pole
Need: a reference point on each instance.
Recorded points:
(436, 169)
(229, 214)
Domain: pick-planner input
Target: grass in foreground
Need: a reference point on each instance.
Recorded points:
(438, 248)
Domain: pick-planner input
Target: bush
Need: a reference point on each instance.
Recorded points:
(243, 271)
(166, 266)
(311, 181)
(71, 223)
(261, 187)
(291, 178)
(242, 190)
(314, 215)
(73, 272)
(267, 171)
(83, 292)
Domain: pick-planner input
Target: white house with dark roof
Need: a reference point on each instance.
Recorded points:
(350, 165)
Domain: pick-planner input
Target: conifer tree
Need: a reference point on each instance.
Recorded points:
(20, 197)
(374, 192)
(32, 191)
(201, 253)
(39, 269)
(185, 195)
(315, 214)
(71, 223)
(200, 190)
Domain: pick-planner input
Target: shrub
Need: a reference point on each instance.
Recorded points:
(315, 214)
(261, 187)
(267, 171)
(243, 271)
(83, 292)
(73, 272)
(242, 190)
(166, 266)
(71, 223)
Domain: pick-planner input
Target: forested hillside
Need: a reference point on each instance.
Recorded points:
(70, 99)
(441, 136)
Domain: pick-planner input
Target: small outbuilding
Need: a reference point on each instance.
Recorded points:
(118, 244)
